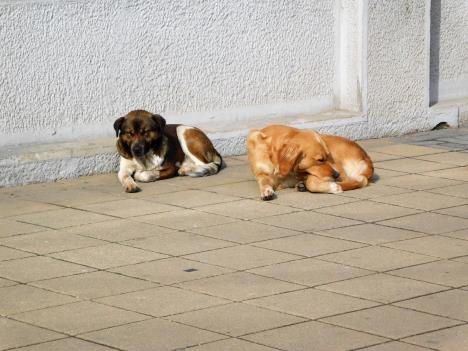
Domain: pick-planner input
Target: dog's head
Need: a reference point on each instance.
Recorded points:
(307, 154)
(138, 132)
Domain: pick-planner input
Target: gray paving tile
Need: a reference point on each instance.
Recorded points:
(16, 334)
(386, 321)
(454, 158)
(450, 339)
(231, 345)
(193, 198)
(412, 165)
(242, 257)
(458, 173)
(13, 207)
(419, 182)
(395, 346)
(7, 253)
(68, 344)
(309, 201)
(239, 286)
(308, 245)
(407, 150)
(152, 335)
(171, 270)
(458, 211)
(9, 227)
(375, 190)
(459, 190)
(324, 337)
(311, 303)
(21, 298)
(37, 268)
(382, 288)
(6, 282)
(371, 233)
(433, 246)
(307, 221)
(430, 223)
(162, 301)
(310, 272)
(127, 208)
(87, 316)
(94, 284)
(247, 189)
(107, 256)
(422, 200)
(244, 232)
(236, 319)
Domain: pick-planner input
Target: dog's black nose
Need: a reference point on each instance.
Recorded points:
(336, 174)
(137, 150)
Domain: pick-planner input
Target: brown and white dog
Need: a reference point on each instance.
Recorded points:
(151, 150)
(282, 156)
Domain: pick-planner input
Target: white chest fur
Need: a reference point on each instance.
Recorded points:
(148, 163)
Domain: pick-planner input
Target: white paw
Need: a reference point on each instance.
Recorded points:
(335, 188)
(268, 194)
(146, 176)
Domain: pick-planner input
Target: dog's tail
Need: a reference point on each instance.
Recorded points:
(207, 169)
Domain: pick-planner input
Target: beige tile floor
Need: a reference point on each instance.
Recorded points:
(204, 265)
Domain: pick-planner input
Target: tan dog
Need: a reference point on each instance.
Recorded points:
(282, 156)
(151, 150)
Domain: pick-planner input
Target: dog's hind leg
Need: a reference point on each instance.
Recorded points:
(315, 186)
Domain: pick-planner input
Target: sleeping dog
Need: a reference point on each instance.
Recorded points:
(282, 156)
(151, 150)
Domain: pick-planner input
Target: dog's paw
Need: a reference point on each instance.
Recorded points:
(301, 187)
(132, 188)
(146, 176)
(268, 194)
(335, 188)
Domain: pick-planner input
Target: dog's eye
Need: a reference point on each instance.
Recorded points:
(129, 133)
(321, 159)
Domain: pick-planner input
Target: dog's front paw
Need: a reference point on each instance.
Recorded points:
(146, 176)
(268, 194)
(335, 188)
(131, 187)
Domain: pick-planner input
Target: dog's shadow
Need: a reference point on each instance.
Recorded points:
(375, 178)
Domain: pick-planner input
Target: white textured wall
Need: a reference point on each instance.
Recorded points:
(69, 68)
(398, 66)
(449, 50)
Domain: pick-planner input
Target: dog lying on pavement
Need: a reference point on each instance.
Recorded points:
(152, 150)
(282, 156)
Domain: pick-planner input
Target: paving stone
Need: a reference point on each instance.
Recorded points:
(412, 165)
(459, 211)
(13, 207)
(162, 301)
(312, 303)
(395, 346)
(307, 221)
(371, 233)
(178, 243)
(450, 304)
(7, 253)
(87, 316)
(430, 223)
(322, 336)
(381, 174)
(447, 273)
(422, 200)
(382, 288)
(107, 256)
(247, 209)
(308, 245)
(309, 201)
(451, 339)
(247, 189)
(242, 257)
(21, 298)
(407, 150)
(460, 190)
(152, 335)
(433, 246)
(454, 158)
(244, 232)
(9, 227)
(378, 156)
(68, 344)
(239, 286)
(419, 182)
(49, 241)
(184, 219)
(171, 270)
(57, 219)
(459, 234)
(377, 258)
(201, 182)
(387, 321)
(128, 208)
(458, 173)
(193, 198)
(117, 230)
(310, 272)
(30, 269)
(367, 211)
(236, 319)
(6, 282)
(375, 190)
(94, 284)
(230, 345)
(15, 334)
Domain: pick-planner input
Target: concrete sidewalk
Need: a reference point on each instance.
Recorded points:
(204, 265)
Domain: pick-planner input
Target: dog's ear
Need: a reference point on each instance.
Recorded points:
(117, 125)
(160, 121)
(322, 142)
(287, 158)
